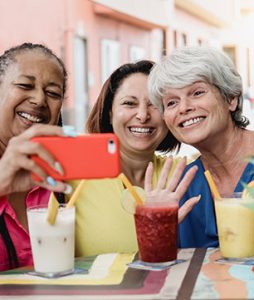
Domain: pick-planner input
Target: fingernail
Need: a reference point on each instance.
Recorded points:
(51, 181)
(68, 189)
(69, 131)
(58, 168)
(198, 197)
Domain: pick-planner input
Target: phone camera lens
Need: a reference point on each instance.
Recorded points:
(111, 146)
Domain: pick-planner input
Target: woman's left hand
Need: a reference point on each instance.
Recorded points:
(171, 190)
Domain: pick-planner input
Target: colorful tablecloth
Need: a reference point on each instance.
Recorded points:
(108, 275)
(200, 276)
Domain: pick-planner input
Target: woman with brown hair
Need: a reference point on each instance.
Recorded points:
(123, 107)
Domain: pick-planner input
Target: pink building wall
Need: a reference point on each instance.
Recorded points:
(97, 27)
(40, 21)
(56, 23)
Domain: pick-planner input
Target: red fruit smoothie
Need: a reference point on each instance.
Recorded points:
(156, 227)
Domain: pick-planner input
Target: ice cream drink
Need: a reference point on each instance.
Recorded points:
(235, 223)
(156, 227)
(52, 245)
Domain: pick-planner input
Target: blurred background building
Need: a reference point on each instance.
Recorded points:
(93, 37)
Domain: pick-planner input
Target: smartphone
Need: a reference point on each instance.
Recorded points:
(88, 156)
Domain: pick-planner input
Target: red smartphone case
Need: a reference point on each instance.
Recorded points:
(87, 156)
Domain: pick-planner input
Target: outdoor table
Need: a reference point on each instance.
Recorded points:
(199, 276)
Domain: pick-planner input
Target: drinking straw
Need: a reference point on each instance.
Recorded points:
(52, 209)
(75, 195)
(212, 185)
(130, 188)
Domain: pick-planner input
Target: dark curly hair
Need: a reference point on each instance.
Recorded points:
(9, 56)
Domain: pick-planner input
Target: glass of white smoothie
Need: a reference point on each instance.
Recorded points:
(52, 245)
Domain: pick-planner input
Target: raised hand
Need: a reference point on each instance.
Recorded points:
(172, 190)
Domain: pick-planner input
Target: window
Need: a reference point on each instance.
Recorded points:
(200, 42)
(136, 53)
(231, 51)
(80, 83)
(175, 38)
(183, 39)
(110, 57)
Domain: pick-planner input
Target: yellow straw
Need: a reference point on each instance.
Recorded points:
(52, 209)
(212, 185)
(75, 195)
(131, 189)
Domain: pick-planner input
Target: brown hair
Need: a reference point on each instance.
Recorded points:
(99, 119)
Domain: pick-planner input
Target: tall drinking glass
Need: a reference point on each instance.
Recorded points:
(156, 227)
(52, 245)
(235, 223)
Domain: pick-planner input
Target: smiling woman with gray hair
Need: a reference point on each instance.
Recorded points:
(199, 92)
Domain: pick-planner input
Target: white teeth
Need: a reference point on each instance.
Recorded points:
(192, 121)
(30, 117)
(140, 130)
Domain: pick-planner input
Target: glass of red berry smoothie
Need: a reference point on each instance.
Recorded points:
(156, 228)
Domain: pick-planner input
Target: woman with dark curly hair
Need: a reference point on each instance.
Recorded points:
(32, 88)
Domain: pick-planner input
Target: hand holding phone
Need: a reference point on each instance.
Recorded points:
(87, 156)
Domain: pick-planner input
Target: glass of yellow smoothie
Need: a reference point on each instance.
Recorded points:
(235, 223)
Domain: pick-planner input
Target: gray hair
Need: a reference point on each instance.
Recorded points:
(187, 65)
